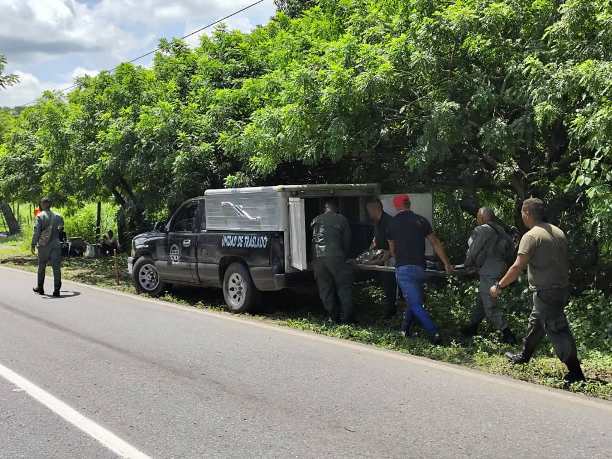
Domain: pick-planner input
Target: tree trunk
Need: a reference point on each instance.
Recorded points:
(9, 216)
(98, 221)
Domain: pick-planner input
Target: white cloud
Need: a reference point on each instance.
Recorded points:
(47, 41)
(27, 90)
(81, 72)
(34, 29)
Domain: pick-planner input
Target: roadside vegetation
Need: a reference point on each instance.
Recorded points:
(449, 304)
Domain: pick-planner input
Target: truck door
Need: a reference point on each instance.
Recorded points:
(208, 252)
(297, 234)
(180, 265)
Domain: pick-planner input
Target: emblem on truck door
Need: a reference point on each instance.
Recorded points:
(175, 253)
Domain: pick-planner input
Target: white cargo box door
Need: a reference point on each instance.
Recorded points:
(297, 236)
(420, 203)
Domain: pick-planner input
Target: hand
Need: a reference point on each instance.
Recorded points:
(33, 250)
(449, 268)
(495, 292)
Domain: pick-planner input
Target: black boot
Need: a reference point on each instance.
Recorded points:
(40, 290)
(575, 373)
(469, 330)
(56, 293)
(517, 359)
(508, 337)
(405, 328)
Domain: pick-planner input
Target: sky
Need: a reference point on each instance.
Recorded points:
(50, 42)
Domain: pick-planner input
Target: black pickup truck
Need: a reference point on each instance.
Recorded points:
(245, 240)
(184, 252)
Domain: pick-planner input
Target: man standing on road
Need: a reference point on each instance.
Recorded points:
(486, 253)
(543, 250)
(331, 242)
(407, 235)
(382, 221)
(46, 239)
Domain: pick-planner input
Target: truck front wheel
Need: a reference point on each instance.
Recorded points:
(146, 277)
(239, 291)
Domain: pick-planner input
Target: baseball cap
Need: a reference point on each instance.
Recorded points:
(400, 201)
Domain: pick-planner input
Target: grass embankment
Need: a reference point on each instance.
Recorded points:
(448, 303)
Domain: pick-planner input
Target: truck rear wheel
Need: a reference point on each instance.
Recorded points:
(239, 291)
(146, 277)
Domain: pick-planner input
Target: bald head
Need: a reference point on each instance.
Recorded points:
(485, 215)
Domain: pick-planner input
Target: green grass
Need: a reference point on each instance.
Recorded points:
(449, 305)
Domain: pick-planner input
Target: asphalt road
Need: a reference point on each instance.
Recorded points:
(177, 382)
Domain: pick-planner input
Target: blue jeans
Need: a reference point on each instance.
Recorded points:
(410, 278)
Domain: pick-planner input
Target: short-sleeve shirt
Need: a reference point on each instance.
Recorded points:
(409, 230)
(546, 247)
(381, 231)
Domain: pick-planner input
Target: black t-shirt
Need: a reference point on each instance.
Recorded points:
(381, 231)
(409, 230)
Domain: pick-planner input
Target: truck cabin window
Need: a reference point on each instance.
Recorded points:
(184, 220)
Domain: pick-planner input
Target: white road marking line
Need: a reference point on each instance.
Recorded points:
(99, 433)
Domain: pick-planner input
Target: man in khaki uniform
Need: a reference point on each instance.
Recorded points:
(543, 249)
(46, 239)
(331, 242)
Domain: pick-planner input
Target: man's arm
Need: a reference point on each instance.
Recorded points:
(439, 249)
(391, 248)
(373, 244)
(36, 233)
(511, 275)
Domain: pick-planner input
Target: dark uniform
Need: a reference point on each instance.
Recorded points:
(548, 273)
(331, 241)
(387, 280)
(491, 265)
(46, 239)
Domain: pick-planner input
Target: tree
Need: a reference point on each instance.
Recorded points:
(293, 8)
(6, 120)
(496, 99)
(6, 79)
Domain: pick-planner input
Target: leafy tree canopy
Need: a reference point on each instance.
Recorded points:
(506, 97)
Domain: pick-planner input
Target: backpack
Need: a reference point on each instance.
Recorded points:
(504, 245)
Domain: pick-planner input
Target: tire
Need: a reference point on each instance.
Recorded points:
(239, 291)
(146, 277)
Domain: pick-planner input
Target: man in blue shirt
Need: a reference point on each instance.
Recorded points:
(407, 234)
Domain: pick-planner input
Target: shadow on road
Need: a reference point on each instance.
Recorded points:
(63, 294)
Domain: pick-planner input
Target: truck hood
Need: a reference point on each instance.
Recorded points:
(144, 238)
